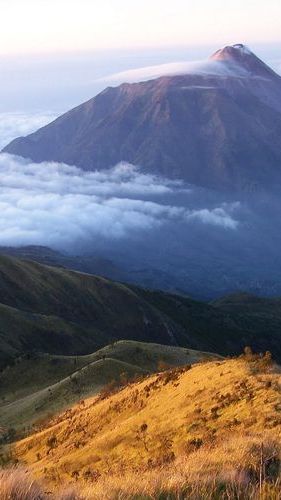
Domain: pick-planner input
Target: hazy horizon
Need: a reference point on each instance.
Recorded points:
(41, 26)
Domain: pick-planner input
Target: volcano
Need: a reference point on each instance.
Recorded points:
(218, 126)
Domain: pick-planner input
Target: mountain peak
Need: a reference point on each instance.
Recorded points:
(239, 54)
(235, 52)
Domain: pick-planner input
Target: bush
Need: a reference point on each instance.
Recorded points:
(109, 389)
(162, 366)
(52, 443)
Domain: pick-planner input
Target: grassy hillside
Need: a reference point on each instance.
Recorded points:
(225, 326)
(206, 426)
(46, 402)
(62, 312)
(38, 386)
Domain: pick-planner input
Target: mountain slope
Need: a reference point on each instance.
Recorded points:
(215, 415)
(256, 323)
(31, 373)
(218, 127)
(58, 311)
(64, 312)
(39, 386)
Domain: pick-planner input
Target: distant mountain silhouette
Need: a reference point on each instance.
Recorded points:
(217, 127)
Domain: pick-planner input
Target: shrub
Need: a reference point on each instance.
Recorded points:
(109, 389)
(142, 435)
(91, 475)
(75, 474)
(163, 366)
(52, 443)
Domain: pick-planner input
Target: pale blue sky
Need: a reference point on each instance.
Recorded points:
(66, 25)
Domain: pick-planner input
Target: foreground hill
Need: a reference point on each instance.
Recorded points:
(58, 311)
(218, 126)
(190, 429)
(38, 386)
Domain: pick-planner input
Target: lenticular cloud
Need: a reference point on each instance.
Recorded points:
(58, 205)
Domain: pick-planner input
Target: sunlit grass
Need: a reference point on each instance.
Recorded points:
(212, 430)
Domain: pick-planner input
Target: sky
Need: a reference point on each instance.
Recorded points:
(36, 26)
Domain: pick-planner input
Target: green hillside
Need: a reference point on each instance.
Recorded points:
(225, 326)
(41, 385)
(61, 312)
(64, 312)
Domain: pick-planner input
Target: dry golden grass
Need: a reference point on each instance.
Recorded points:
(186, 433)
(244, 467)
(208, 473)
(17, 484)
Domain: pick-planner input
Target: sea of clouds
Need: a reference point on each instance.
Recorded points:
(59, 205)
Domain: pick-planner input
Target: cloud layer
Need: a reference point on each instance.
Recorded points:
(14, 125)
(60, 206)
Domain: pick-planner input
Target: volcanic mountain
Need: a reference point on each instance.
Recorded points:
(217, 126)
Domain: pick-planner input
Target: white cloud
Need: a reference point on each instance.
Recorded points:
(217, 217)
(14, 125)
(57, 205)
(204, 67)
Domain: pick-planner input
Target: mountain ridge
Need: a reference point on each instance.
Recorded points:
(41, 385)
(61, 312)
